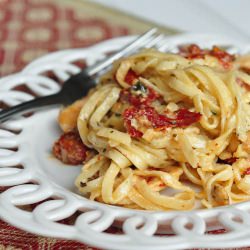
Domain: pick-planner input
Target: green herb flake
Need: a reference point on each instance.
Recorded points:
(139, 86)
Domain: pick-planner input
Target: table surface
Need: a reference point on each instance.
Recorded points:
(229, 17)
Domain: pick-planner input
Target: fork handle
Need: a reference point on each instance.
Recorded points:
(30, 106)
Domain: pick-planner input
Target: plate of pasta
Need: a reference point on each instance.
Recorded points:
(161, 144)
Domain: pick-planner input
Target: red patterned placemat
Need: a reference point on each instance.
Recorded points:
(12, 238)
(31, 28)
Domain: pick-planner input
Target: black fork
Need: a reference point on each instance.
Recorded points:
(78, 85)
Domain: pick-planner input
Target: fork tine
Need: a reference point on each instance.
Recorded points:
(131, 46)
(154, 41)
(150, 42)
(163, 46)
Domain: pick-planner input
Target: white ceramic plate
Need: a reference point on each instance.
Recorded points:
(42, 177)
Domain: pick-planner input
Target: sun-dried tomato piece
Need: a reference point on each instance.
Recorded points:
(157, 120)
(69, 149)
(191, 51)
(128, 115)
(130, 77)
(224, 57)
(247, 172)
(183, 118)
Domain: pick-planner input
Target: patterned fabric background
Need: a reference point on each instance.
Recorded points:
(31, 28)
